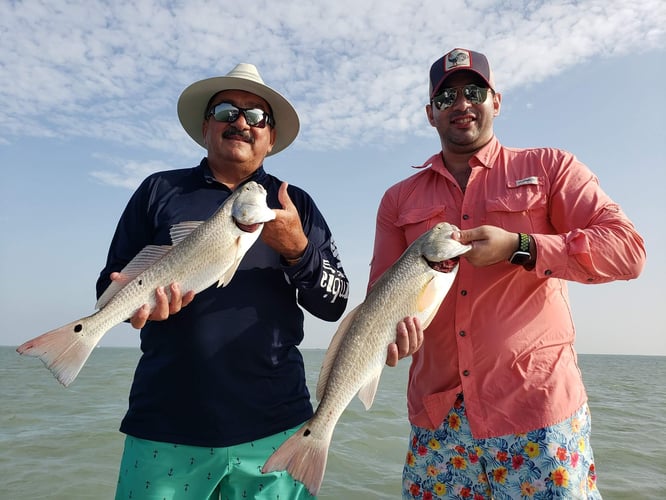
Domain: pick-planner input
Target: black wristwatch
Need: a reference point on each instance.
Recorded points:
(522, 255)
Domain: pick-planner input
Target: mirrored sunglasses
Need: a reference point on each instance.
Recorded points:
(447, 97)
(227, 112)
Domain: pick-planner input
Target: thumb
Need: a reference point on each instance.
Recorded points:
(464, 236)
(283, 197)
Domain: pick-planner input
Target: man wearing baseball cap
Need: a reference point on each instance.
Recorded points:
(496, 400)
(221, 384)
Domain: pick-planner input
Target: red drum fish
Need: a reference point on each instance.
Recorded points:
(415, 285)
(201, 254)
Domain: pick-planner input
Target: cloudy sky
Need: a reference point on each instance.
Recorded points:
(89, 91)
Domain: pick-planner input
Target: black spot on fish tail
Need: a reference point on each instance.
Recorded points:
(78, 328)
(307, 432)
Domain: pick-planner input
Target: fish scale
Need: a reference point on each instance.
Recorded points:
(357, 352)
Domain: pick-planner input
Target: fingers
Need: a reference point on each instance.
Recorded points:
(468, 236)
(158, 313)
(140, 317)
(119, 278)
(392, 356)
(187, 298)
(408, 340)
(490, 244)
(165, 306)
(409, 336)
(176, 302)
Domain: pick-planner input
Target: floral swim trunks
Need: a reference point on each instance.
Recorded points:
(553, 462)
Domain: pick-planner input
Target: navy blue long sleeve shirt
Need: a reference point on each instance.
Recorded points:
(225, 369)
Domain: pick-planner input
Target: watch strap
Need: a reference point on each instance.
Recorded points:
(523, 242)
(522, 256)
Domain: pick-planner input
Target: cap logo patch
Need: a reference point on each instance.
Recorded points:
(458, 58)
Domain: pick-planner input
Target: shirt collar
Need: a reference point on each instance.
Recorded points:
(259, 175)
(484, 157)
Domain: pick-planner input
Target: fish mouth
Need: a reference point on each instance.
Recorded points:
(444, 266)
(247, 228)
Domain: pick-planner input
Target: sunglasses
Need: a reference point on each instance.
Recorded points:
(473, 93)
(227, 112)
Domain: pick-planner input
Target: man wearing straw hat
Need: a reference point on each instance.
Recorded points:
(221, 384)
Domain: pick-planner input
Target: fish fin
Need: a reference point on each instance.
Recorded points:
(425, 323)
(367, 393)
(182, 230)
(142, 261)
(429, 301)
(303, 456)
(332, 352)
(239, 252)
(226, 277)
(64, 350)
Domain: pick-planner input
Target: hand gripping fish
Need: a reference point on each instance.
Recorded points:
(202, 253)
(415, 285)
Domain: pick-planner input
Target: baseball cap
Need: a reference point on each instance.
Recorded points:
(458, 60)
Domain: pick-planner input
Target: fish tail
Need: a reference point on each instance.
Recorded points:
(303, 456)
(63, 350)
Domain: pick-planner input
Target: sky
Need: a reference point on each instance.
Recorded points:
(88, 109)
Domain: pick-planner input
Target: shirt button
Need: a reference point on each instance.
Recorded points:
(466, 373)
(548, 272)
(465, 217)
(463, 292)
(462, 333)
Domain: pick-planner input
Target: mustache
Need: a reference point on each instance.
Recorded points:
(460, 114)
(232, 131)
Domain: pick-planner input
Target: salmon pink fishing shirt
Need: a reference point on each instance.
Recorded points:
(504, 335)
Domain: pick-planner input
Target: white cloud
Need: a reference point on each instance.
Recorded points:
(356, 71)
(128, 174)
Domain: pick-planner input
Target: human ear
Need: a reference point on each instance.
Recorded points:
(497, 104)
(429, 115)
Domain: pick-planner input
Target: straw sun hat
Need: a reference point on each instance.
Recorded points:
(192, 104)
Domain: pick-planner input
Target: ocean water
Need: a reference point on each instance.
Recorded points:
(58, 443)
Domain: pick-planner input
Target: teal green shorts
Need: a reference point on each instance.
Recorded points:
(154, 470)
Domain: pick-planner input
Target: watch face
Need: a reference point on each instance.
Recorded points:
(519, 258)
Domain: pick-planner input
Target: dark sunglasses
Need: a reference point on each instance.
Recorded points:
(473, 93)
(227, 112)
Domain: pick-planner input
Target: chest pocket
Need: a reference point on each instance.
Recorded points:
(416, 221)
(522, 208)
